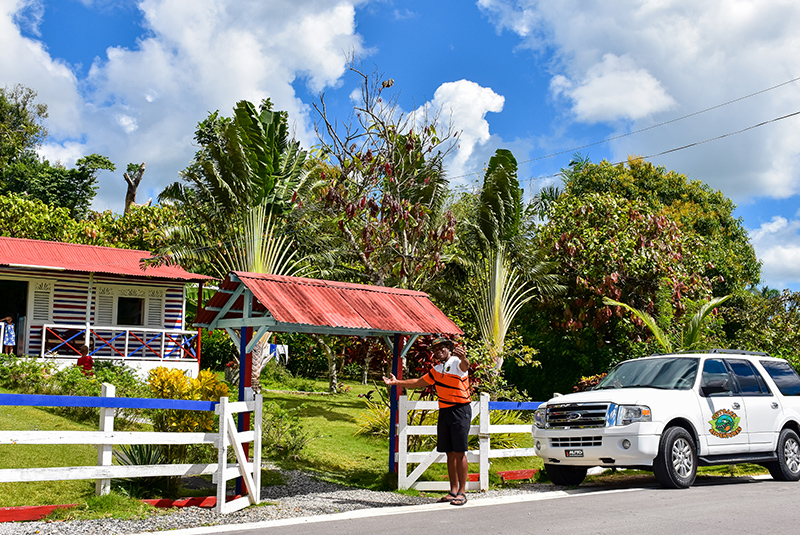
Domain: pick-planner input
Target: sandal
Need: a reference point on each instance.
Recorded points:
(447, 498)
(460, 499)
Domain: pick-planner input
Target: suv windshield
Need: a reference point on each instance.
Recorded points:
(667, 373)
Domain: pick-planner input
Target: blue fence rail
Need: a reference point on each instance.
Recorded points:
(36, 400)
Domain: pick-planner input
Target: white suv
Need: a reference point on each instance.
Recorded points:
(673, 413)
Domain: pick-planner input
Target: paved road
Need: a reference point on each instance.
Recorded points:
(725, 506)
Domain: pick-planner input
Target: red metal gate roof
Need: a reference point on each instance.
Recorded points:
(295, 304)
(50, 255)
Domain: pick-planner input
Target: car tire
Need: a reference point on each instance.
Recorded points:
(675, 466)
(568, 476)
(787, 467)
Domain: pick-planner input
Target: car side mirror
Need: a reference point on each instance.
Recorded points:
(715, 386)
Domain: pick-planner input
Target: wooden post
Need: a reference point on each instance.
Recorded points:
(257, 419)
(402, 450)
(199, 329)
(222, 453)
(104, 451)
(394, 396)
(484, 439)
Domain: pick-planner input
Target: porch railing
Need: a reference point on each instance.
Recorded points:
(119, 342)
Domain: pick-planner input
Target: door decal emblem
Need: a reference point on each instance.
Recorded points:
(725, 424)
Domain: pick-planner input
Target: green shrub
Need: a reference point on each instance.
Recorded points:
(282, 432)
(217, 349)
(26, 375)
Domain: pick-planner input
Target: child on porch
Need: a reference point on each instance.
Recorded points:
(9, 336)
(85, 361)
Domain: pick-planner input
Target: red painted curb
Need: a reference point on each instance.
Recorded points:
(32, 512)
(200, 501)
(509, 475)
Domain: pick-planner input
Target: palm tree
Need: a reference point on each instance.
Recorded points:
(690, 334)
(234, 195)
(508, 270)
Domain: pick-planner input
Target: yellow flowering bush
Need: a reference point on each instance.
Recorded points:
(174, 384)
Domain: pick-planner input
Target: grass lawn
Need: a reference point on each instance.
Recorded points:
(34, 456)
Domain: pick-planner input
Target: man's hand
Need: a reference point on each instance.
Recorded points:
(391, 380)
(461, 352)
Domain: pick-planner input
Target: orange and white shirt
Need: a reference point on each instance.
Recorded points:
(452, 384)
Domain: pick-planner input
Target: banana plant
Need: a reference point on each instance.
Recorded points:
(690, 334)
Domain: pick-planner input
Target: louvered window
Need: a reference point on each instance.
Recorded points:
(42, 301)
(155, 312)
(104, 312)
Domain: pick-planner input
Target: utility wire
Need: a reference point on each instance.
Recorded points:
(651, 127)
(690, 145)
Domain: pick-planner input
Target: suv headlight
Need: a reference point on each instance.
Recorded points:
(629, 414)
(540, 417)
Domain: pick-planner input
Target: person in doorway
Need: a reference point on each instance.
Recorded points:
(9, 335)
(450, 375)
(85, 361)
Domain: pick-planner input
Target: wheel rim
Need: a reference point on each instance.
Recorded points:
(683, 460)
(791, 452)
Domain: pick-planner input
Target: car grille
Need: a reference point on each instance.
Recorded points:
(575, 442)
(576, 415)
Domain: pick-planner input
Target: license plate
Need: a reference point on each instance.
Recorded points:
(574, 453)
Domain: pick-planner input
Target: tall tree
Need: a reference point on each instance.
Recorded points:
(728, 258)
(234, 195)
(21, 123)
(246, 165)
(505, 267)
(70, 188)
(383, 186)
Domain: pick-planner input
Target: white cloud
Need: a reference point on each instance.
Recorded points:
(777, 244)
(463, 105)
(143, 103)
(614, 89)
(649, 61)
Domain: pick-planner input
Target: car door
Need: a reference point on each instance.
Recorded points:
(722, 408)
(762, 408)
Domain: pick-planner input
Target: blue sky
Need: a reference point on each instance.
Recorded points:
(131, 78)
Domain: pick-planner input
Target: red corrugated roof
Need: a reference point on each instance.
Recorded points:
(49, 255)
(329, 307)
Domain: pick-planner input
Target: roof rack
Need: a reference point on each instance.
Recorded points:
(738, 352)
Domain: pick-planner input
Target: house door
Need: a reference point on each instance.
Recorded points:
(14, 303)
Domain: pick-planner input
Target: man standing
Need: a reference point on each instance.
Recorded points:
(450, 375)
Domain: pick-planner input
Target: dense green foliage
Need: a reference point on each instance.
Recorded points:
(725, 255)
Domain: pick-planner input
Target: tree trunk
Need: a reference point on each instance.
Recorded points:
(365, 374)
(133, 180)
(333, 381)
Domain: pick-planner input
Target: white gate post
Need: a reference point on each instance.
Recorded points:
(484, 440)
(402, 438)
(258, 411)
(104, 451)
(222, 453)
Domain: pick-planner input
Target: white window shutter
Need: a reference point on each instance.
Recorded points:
(155, 309)
(42, 301)
(104, 306)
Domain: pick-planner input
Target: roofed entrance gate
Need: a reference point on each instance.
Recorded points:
(255, 304)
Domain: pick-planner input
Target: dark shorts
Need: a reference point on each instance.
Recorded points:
(453, 428)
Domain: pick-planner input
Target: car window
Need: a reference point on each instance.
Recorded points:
(715, 373)
(784, 376)
(750, 381)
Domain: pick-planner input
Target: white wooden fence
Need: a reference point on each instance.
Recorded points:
(484, 430)
(249, 469)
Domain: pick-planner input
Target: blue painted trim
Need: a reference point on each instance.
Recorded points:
(113, 403)
(514, 405)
